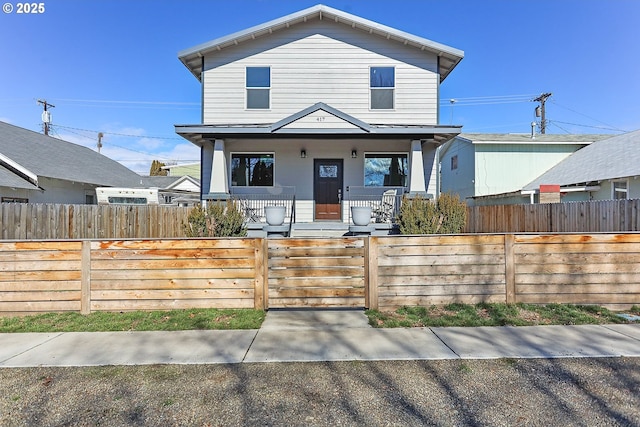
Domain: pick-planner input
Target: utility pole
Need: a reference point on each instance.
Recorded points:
(540, 111)
(46, 115)
(100, 136)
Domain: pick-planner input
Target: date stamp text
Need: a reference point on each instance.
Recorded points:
(24, 8)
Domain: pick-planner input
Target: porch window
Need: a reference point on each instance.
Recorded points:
(258, 81)
(620, 190)
(252, 170)
(385, 170)
(382, 82)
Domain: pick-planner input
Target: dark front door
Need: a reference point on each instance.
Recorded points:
(327, 189)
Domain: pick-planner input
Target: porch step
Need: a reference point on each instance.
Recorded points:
(319, 229)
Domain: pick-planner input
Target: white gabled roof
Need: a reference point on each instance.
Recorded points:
(449, 56)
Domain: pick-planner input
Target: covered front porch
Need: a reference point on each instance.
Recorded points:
(383, 202)
(318, 163)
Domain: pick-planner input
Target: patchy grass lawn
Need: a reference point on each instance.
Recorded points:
(173, 320)
(484, 314)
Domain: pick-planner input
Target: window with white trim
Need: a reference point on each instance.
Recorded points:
(382, 83)
(252, 169)
(385, 169)
(620, 189)
(258, 84)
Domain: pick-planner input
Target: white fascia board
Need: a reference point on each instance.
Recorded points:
(565, 190)
(30, 176)
(532, 142)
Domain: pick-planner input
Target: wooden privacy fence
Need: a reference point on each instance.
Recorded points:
(608, 216)
(19, 221)
(376, 272)
(86, 276)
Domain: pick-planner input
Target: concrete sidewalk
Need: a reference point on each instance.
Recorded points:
(316, 335)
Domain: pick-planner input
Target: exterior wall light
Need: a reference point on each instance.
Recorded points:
(303, 153)
(354, 154)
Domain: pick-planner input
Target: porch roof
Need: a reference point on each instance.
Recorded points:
(199, 133)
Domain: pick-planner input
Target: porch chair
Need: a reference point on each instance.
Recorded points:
(250, 214)
(385, 212)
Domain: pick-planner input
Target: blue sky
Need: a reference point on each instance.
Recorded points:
(111, 66)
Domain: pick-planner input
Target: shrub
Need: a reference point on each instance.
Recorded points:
(422, 216)
(219, 219)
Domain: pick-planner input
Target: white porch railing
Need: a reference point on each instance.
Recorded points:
(383, 201)
(252, 201)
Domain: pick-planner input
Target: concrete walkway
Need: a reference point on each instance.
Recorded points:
(316, 335)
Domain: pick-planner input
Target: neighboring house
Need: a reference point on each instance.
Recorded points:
(153, 190)
(605, 170)
(190, 169)
(35, 168)
(322, 102)
(183, 190)
(491, 169)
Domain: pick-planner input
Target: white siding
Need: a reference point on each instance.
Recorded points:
(188, 186)
(56, 191)
(320, 120)
(320, 62)
(292, 170)
(503, 168)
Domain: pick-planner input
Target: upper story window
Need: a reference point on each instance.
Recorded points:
(454, 162)
(385, 169)
(382, 83)
(258, 80)
(620, 190)
(252, 169)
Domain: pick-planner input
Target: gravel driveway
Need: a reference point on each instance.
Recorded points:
(506, 392)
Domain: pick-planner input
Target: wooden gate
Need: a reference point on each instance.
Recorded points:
(316, 272)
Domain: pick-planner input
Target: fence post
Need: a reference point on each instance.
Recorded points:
(85, 286)
(509, 269)
(371, 272)
(260, 274)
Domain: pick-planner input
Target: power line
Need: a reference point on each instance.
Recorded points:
(488, 100)
(585, 126)
(109, 101)
(588, 117)
(122, 134)
(111, 144)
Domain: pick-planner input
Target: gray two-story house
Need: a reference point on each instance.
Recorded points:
(322, 102)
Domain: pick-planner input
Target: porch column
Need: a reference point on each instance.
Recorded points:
(416, 182)
(219, 184)
(206, 160)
